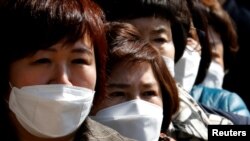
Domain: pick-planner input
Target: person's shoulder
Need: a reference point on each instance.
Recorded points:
(98, 131)
(204, 91)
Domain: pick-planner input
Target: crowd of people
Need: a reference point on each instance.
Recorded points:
(121, 70)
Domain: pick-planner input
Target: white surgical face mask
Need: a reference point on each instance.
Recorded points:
(215, 76)
(51, 110)
(170, 64)
(136, 119)
(186, 69)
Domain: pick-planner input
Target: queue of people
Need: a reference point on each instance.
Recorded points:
(116, 70)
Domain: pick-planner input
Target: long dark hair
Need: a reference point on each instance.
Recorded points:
(199, 18)
(222, 23)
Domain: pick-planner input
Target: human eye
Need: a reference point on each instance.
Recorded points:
(117, 95)
(149, 93)
(80, 61)
(42, 61)
(159, 40)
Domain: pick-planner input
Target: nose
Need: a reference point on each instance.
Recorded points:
(133, 96)
(61, 75)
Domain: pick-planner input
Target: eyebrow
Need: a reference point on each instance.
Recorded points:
(122, 85)
(149, 85)
(119, 85)
(78, 49)
(82, 49)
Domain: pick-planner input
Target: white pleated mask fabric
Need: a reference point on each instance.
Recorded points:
(51, 111)
(186, 69)
(136, 119)
(170, 64)
(215, 76)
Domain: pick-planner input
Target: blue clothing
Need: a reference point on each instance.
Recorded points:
(220, 99)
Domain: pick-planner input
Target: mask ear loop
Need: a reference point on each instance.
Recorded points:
(11, 86)
(7, 101)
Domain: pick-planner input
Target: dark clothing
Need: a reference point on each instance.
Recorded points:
(94, 131)
(236, 119)
(239, 10)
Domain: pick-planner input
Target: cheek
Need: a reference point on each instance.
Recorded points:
(24, 76)
(159, 102)
(156, 101)
(218, 50)
(168, 50)
(91, 77)
(86, 77)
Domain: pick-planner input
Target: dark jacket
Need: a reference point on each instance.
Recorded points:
(235, 80)
(236, 119)
(94, 131)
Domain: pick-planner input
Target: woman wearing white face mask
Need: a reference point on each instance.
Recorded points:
(224, 43)
(51, 70)
(159, 25)
(215, 74)
(222, 39)
(186, 69)
(211, 97)
(141, 93)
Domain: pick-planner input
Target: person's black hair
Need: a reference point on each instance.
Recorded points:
(175, 11)
(30, 25)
